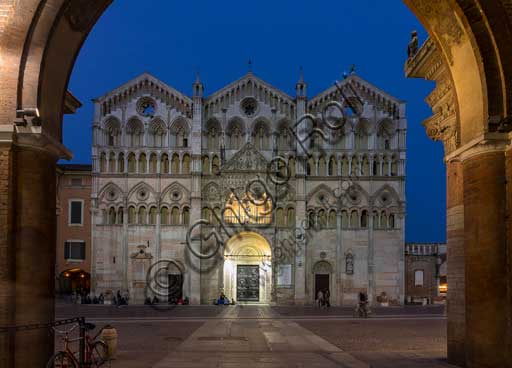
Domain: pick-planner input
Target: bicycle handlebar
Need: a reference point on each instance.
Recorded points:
(62, 332)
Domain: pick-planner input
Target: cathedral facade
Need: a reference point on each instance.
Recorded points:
(265, 197)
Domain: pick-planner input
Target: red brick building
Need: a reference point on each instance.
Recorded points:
(73, 264)
(425, 272)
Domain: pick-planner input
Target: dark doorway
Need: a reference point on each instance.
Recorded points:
(248, 283)
(175, 289)
(321, 283)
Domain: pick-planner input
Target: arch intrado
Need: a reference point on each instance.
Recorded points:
(39, 42)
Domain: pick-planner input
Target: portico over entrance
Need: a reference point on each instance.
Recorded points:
(248, 268)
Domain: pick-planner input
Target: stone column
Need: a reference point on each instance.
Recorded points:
(455, 257)
(485, 256)
(27, 238)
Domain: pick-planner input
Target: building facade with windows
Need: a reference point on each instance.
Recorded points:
(273, 210)
(73, 263)
(425, 276)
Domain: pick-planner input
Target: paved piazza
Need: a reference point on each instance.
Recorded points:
(261, 336)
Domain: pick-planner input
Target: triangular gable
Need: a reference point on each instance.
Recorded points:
(247, 159)
(366, 91)
(255, 80)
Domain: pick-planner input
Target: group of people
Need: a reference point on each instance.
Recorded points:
(222, 300)
(323, 298)
(173, 300)
(83, 297)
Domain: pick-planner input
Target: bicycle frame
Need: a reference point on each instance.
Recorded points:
(86, 360)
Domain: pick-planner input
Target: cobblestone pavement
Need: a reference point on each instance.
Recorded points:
(267, 337)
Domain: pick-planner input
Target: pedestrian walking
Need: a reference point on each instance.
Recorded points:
(327, 295)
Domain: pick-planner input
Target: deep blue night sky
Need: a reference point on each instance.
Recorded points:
(171, 39)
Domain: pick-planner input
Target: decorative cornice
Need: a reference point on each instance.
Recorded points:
(33, 137)
(486, 143)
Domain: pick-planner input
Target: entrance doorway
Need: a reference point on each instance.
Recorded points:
(175, 289)
(248, 283)
(321, 283)
(247, 276)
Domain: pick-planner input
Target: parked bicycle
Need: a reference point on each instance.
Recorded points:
(361, 310)
(95, 354)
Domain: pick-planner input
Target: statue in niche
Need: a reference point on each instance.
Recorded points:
(412, 49)
(349, 263)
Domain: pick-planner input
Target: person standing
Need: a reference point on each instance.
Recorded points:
(320, 298)
(327, 295)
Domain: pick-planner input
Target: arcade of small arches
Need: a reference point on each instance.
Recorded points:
(144, 162)
(143, 214)
(353, 219)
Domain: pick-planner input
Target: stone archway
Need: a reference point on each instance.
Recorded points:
(39, 41)
(247, 258)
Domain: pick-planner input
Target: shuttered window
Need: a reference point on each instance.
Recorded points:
(74, 250)
(75, 212)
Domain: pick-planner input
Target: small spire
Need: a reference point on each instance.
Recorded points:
(301, 75)
(249, 66)
(198, 77)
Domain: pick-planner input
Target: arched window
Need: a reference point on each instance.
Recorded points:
(112, 132)
(311, 167)
(261, 136)
(213, 133)
(175, 164)
(206, 165)
(385, 167)
(153, 163)
(376, 167)
(376, 223)
(120, 163)
(179, 133)
(142, 216)
(394, 168)
(384, 134)
(157, 133)
(354, 220)
(344, 166)
(112, 216)
(206, 215)
(164, 216)
(186, 164)
(112, 162)
(103, 162)
(354, 167)
(186, 216)
(291, 167)
(291, 217)
(322, 219)
(332, 171)
(142, 163)
(132, 163)
(131, 215)
(391, 221)
(383, 220)
(332, 219)
(321, 166)
(175, 216)
(311, 220)
(120, 216)
(361, 135)
(215, 165)
(134, 133)
(364, 219)
(280, 217)
(365, 166)
(344, 219)
(164, 164)
(284, 139)
(418, 278)
(152, 216)
(235, 135)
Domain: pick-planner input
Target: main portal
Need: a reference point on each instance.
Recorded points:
(248, 283)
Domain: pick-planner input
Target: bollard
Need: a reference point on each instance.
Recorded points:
(109, 337)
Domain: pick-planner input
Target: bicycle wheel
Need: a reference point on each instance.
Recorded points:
(61, 359)
(99, 353)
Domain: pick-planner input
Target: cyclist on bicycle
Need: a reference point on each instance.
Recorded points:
(362, 304)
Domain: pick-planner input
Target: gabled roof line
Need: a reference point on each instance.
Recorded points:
(248, 76)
